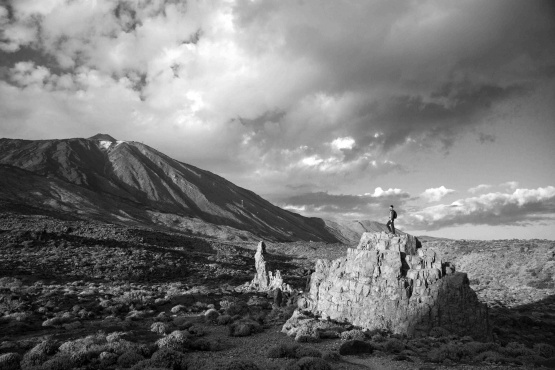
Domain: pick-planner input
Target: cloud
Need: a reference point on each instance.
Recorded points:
(379, 192)
(479, 188)
(366, 206)
(436, 194)
(510, 184)
(522, 207)
(271, 93)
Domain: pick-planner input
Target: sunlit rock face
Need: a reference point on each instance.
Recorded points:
(392, 283)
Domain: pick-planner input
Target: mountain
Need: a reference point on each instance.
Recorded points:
(129, 182)
(350, 231)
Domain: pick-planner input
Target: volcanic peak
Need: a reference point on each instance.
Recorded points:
(103, 137)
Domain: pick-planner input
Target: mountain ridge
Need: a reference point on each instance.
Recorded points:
(128, 181)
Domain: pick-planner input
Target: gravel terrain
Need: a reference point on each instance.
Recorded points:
(88, 295)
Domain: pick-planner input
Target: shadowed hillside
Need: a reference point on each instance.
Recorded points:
(132, 182)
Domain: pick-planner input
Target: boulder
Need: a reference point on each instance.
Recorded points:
(391, 283)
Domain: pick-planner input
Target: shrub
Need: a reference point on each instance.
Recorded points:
(244, 327)
(90, 342)
(515, 349)
(451, 351)
(283, 350)
(177, 341)
(475, 348)
(178, 308)
(160, 328)
(203, 344)
(107, 358)
(115, 336)
(240, 365)
(544, 350)
(307, 352)
(223, 320)
(354, 334)
(331, 356)
(211, 315)
(394, 345)
(196, 330)
(439, 332)
(355, 347)
(310, 363)
(531, 359)
(39, 353)
(10, 361)
(122, 346)
(169, 359)
(182, 322)
(491, 357)
(61, 361)
(307, 334)
(236, 308)
(129, 359)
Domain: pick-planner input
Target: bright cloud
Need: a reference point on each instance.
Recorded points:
(343, 143)
(510, 184)
(521, 207)
(479, 188)
(379, 192)
(365, 206)
(436, 194)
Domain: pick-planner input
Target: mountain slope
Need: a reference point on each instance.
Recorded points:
(350, 231)
(132, 182)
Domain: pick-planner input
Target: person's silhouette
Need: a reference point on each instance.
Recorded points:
(391, 223)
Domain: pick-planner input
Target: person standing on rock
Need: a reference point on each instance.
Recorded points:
(391, 223)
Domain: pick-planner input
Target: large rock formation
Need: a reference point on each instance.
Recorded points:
(392, 283)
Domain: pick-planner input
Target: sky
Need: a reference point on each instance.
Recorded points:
(334, 109)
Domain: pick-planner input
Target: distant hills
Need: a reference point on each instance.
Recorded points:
(129, 182)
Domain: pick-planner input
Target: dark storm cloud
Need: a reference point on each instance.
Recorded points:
(426, 72)
(454, 108)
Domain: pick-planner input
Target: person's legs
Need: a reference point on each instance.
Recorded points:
(389, 223)
(393, 226)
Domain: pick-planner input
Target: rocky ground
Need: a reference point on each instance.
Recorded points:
(79, 294)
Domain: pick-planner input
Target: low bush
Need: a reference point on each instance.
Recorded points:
(307, 352)
(310, 363)
(10, 361)
(244, 327)
(515, 349)
(331, 356)
(394, 345)
(39, 353)
(240, 365)
(160, 328)
(283, 350)
(169, 359)
(355, 347)
(129, 359)
(177, 341)
(355, 334)
(490, 357)
(223, 320)
(203, 344)
(544, 350)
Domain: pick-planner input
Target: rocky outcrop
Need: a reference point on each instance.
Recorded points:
(265, 280)
(392, 283)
